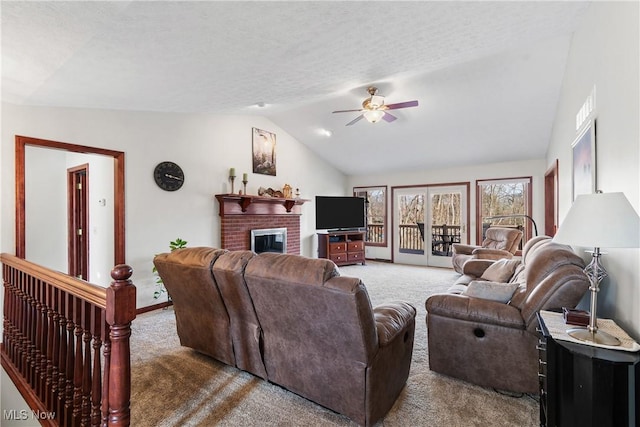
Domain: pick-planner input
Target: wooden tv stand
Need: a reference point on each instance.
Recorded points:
(342, 247)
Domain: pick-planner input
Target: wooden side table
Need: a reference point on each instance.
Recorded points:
(583, 385)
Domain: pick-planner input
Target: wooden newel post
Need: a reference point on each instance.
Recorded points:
(121, 310)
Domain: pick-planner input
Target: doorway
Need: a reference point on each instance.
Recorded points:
(117, 232)
(78, 217)
(428, 220)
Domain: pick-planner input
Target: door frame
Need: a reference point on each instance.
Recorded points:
(118, 189)
(551, 199)
(392, 222)
(78, 221)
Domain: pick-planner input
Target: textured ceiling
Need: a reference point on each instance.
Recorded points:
(487, 74)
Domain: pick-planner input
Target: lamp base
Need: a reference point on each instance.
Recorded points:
(596, 337)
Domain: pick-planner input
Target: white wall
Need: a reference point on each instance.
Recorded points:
(533, 168)
(205, 146)
(605, 53)
(46, 210)
(46, 207)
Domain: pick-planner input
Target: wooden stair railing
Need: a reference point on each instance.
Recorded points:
(66, 343)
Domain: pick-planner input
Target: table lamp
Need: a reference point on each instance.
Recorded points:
(599, 220)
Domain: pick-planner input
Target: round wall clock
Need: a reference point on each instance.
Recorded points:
(168, 176)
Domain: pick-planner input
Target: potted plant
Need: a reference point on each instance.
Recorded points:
(176, 244)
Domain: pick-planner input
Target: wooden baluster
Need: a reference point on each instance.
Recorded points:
(106, 376)
(86, 365)
(12, 320)
(121, 310)
(78, 365)
(41, 339)
(62, 354)
(31, 326)
(68, 391)
(26, 359)
(45, 364)
(21, 325)
(55, 349)
(97, 329)
(7, 322)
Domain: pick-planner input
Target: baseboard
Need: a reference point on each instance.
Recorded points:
(154, 307)
(379, 260)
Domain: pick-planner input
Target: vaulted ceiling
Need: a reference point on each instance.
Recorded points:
(487, 75)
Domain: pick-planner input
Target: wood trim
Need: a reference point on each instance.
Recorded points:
(154, 307)
(551, 199)
(20, 197)
(119, 175)
(385, 243)
(479, 206)
(77, 204)
(119, 208)
(231, 204)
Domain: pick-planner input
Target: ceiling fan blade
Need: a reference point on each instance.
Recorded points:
(347, 111)
(402, 105)
(357, 119)
(388, 117)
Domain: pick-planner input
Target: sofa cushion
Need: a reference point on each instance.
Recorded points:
(494, 291)
(501, 271)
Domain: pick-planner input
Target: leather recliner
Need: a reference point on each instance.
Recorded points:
(499, 243)
(491, 343)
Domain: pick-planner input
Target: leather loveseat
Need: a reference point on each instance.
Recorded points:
(293, 321)
(490, 342)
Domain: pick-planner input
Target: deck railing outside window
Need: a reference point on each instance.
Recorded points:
(443, 236)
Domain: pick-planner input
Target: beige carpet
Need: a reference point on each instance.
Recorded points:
(175, 386)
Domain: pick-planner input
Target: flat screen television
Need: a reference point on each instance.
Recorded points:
(340, 213)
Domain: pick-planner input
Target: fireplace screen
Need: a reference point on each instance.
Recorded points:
(269, 240)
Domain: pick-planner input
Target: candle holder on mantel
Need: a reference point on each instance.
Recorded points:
(245, 179)
(232, 178)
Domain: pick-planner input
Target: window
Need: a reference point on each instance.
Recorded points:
(376, 206)
(505, 203)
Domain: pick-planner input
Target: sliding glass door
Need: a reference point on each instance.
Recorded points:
(427, 222)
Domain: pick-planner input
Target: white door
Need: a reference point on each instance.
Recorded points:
(427, 221)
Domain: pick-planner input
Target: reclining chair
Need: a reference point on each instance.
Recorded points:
(479, 339)
(498, 243)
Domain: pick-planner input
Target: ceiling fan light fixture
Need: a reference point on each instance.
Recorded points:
(373, 116)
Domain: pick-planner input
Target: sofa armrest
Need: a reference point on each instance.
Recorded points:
(392, 319)
(473, 309)
(475, 267)
(461, 248)
(487, 253)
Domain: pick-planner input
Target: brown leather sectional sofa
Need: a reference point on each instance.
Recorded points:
(293, 321)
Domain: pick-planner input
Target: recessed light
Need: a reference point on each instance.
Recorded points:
(325, 132)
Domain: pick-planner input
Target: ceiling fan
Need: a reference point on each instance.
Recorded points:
(373, 108)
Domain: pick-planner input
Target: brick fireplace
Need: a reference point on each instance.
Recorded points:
(241, 214)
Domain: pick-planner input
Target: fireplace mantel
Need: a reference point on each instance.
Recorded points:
(234, 204)
(239, 214)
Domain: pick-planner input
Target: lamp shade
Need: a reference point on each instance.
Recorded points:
(373, 116)
(600, 220)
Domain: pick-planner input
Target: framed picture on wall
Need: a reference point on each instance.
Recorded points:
(264, 152)
(584, 161)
